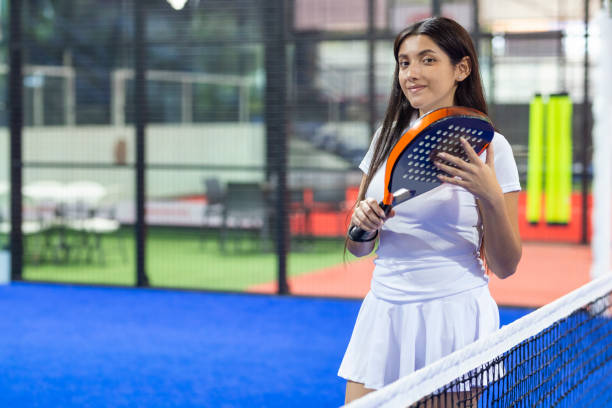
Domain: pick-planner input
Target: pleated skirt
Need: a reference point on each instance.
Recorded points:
(391, 340)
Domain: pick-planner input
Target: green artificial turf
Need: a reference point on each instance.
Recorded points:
(115, 266)
(183, 258)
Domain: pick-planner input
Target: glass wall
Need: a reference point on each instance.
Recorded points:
(206, 147)
(212, 154)
(78, 182)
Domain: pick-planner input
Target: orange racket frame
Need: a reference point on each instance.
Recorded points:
(421, 124)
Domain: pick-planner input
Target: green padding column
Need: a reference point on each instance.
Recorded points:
(558, 159)
(535, 159)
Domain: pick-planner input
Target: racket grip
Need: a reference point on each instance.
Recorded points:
(386, 207)
(359, 235)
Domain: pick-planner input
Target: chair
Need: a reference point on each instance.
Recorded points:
(47, 198)
(97, 226)
(28, 229)
(212, 216)
(213, 210)
(85, 215)
(244, 211)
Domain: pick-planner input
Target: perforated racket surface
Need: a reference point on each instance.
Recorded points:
(410, 170)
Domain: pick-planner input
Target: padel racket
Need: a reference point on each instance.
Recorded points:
(410, 169)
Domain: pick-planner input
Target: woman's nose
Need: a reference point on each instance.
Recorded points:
(412, 72)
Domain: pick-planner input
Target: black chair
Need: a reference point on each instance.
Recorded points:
(212, 216)
(214, 202)
(244, 212)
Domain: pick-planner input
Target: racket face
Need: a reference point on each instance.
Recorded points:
(412, 171)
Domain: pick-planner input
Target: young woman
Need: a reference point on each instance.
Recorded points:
(429, 294)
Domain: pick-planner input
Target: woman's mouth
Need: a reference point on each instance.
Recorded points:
(415, 88)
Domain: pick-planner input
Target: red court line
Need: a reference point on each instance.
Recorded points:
(546, 272)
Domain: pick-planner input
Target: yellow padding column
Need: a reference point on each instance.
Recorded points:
(558, 173)
(535, 165)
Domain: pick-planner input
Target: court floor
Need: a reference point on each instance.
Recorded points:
(546, 272)
(80, 346)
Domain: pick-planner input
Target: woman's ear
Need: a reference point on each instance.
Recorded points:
(463, 69)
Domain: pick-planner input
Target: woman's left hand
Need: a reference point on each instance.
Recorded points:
(475, 176)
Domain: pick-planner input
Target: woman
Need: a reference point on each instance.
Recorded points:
(429, 294)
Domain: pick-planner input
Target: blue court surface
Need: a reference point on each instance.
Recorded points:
(76, 346)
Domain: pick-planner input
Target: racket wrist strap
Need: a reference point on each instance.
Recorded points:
(367, 237)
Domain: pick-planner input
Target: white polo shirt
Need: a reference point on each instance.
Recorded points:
(430, 248)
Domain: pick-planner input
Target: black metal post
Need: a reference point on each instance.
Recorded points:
(140, 114)
(436, 8)
(476, 25)
(586, 130)
(276, 127)
(15, 107)
(371, 67)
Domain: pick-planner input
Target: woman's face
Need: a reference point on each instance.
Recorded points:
(426, 75)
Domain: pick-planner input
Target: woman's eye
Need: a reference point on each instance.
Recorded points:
(428, 60)
(403, 63)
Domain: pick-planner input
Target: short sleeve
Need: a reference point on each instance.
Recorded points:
(505, 165)
(367, 159)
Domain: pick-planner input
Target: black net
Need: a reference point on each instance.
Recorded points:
(568, 364)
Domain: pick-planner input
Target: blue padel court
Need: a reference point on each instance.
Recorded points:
(78, 346)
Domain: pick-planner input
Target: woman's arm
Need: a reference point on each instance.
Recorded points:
(368, 216)
(502, 241)
(499, 211)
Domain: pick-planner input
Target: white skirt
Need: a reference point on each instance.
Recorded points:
(391, 340)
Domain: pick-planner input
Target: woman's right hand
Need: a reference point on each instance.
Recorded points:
(369, 216)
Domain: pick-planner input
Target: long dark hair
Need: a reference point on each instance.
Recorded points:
(455, 41)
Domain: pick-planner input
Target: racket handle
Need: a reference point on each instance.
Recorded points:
(359, 235)
(386, 207)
